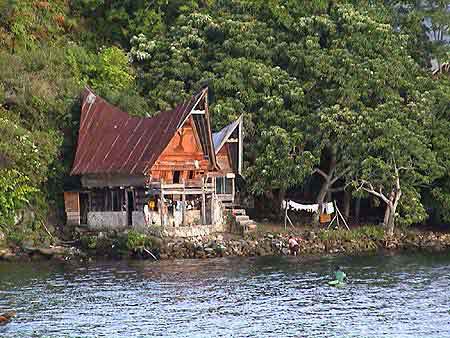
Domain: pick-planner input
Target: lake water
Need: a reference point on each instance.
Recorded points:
(388, 296)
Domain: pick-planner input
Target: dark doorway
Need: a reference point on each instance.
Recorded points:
(84, 207)
(176, 176)
(130, 207)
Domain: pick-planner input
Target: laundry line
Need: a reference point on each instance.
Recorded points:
(327, 208)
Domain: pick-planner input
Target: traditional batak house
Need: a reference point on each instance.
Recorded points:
(167, 171)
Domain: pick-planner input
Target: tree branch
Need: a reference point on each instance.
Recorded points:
(320, 172)
(337, 189)
(338, 176)
(371, 190)
(378, 194)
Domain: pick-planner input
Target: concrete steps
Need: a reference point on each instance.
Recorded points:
(244, 223)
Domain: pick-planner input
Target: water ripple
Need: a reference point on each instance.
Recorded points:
(396, 296)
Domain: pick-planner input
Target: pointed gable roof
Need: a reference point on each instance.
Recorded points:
(111, 141)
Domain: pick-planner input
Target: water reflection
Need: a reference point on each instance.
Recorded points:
(388, 296)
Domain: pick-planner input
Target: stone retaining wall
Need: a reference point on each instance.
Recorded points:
(112, 220)
(182, 231)
(310, 244)
(114, 244)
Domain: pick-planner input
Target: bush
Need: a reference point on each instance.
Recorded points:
(367, 232)
(137, 240)
(15, 192)
(89, 242)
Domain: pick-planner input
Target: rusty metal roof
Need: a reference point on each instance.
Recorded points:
(111, 141)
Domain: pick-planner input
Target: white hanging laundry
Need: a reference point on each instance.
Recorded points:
(297, 206)
(301, 207)
(329, 208)
(313, 208)
(146, 214)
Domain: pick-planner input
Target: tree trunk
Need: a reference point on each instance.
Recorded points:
(390, 221)
(278, 199)
(391, 201)
(347, 201)
(329, 196)
(357, 209)
(320, 199)
(387, 214)
(391, 208)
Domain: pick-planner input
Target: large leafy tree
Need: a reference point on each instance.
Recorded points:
(440, 189)
(236, 55)
(117, 21)
(297, 75)
(396, 159)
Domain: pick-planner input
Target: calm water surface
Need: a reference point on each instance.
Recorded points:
(398, 296)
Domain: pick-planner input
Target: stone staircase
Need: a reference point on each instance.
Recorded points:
(243, 223)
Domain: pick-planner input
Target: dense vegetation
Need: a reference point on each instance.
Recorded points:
(337, 90)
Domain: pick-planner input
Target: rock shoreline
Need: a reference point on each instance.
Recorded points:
(224, 245)
(310, 244)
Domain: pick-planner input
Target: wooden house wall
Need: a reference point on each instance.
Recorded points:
(180, 155)
(72, 201)
(224, 160)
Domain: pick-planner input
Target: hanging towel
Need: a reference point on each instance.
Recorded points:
(329, 208)
(312, 208)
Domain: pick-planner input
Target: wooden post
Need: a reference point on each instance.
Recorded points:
(240, 146)
(183, 208)
(105, 199)
(337, 219)
(162, 204)
(203, 208)
(232, 191)
(126, 206)
(285, 217)
(342, 217)
(112, 200)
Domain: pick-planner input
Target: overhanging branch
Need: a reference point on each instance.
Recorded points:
(320, 172)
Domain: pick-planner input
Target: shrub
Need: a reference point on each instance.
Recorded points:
(138, 240)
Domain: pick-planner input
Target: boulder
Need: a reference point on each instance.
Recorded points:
(52, 251)
(209, 250)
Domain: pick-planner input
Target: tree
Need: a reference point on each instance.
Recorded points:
(396, 158)
(233, 54)
(295, 73)
(440, 189)
(346, 58)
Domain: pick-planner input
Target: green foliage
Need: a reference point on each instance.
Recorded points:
(25, 23)
(30, 151)
(411, 209)
(120, 20)
(15, 192)
(367, 232)
(137, 240)
(41, 77)
(111, 72)
(89, 242)
(280, 163)
(318, 80)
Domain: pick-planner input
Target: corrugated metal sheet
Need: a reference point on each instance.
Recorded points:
(112, 142)
(222, 136)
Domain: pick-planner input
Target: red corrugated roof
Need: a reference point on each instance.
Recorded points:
(112, 142)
